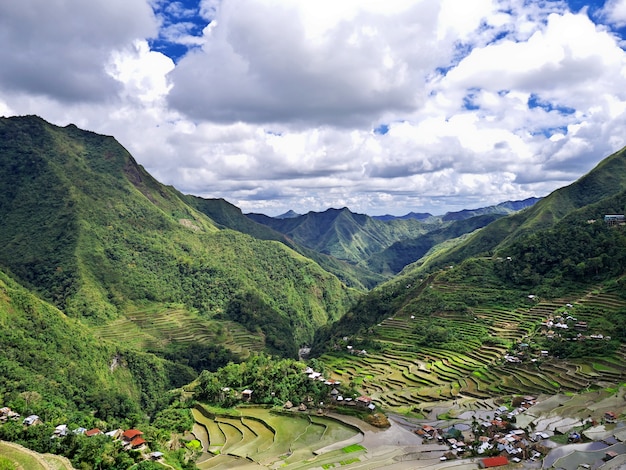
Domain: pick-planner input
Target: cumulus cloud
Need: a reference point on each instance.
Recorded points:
(60, 49)
(268, 61)
(384, 107)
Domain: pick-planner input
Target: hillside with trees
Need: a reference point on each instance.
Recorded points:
(124, 303)
(92, 232)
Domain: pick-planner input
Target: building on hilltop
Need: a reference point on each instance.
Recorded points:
(614, 219)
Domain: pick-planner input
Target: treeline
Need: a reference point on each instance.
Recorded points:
(102, 452)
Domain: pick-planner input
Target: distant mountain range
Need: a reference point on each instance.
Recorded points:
(502, 208)
(382, 244)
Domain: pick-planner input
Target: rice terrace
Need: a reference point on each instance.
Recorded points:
(485, 358)
(273, 440)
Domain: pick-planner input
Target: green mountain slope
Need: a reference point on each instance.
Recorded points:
(53, 366)
(606, 179)
(394, 258)
(230, 216)
(90, 230)
(342, 233)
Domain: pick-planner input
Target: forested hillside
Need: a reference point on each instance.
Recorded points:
(229, 216)
(342, 233)
(606, 180)
(91, 231)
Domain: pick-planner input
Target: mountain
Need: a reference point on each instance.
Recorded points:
(89, 230)
(607, 179)
(422, 216)
(288, 215)
(229, 216)
(343, 234)
(507, 207)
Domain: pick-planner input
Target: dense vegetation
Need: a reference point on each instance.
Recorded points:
(53, 367)
(580, 249)
(107, 236)
(229, 216)
(272, 381)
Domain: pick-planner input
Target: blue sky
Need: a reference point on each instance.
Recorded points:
(381, 106)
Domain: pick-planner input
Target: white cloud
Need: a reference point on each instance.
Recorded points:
(270, 61)
(484, 101)
(59, 48)
(615, 12)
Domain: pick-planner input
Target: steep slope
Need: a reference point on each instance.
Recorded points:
(230, 216)
(342, 233)
(393, 259)
(93, 232)
(606, 179)
(53, 366)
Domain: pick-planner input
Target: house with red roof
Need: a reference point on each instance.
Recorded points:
(137, 442)
(92, 432)
(129, 435)
(492, 462)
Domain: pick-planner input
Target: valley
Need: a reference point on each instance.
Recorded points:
(125, 304)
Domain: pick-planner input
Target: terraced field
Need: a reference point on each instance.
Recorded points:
(24, 458)
(401, 377)
(258, 437)
(151, 329)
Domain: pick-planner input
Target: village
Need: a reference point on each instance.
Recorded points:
(131, 439)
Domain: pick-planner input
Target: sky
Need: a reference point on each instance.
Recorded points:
(382, 106)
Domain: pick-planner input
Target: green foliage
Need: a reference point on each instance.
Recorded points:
(273, 381)
(6, 464)
(198, 356)
(175, 418)
(572, 253)
(250, 310)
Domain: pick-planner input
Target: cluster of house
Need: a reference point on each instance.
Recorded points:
(554, 323)
(132, 438)
(495, 436)
(551, 328)
(336, 397)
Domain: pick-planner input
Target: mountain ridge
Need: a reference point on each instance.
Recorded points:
(107, 236)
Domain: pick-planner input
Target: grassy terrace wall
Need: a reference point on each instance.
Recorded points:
(401, 376)
(23, 458)
(154, 328)
(270, 439)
